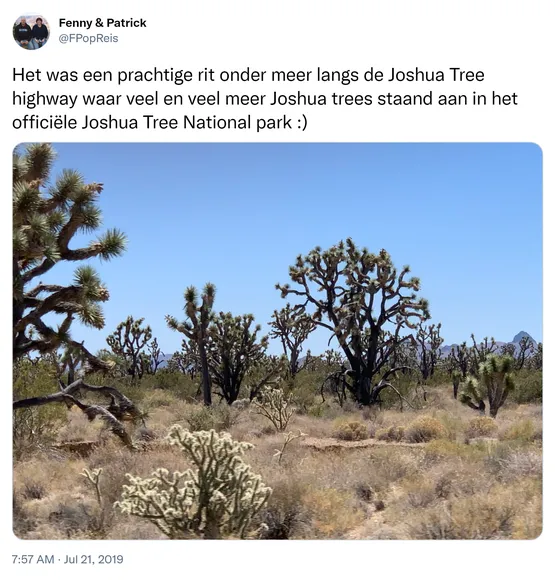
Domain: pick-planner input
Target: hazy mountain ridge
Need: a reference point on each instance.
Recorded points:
(446, 349)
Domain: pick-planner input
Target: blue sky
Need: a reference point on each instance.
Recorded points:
(467, 218)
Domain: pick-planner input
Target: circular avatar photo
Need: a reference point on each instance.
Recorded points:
(31, 32)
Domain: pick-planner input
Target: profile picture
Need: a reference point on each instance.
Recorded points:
(31, 32)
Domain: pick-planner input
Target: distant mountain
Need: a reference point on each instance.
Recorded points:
(445, 350)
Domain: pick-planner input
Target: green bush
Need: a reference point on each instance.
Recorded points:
(218, 417)
(35, 426)
(528, 387)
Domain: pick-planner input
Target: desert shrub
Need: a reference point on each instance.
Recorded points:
(441, 449)
(22, 523)
(34, 428)
(31, 430)
(285, 516)
(220, 497)
(34, 490)
(178, 384)
(524, 430)
(520, 464)
(483, 516)
(364, 491)
(219, 418)
(350, 430)
(333, 512)
(420, 494)
(528, 387)
(391, 433)
(275, 406)
(425, 429)
(241, 404)
(481, 427)
(316, 410)
(303, 393)
(76, 517)
(158, 398)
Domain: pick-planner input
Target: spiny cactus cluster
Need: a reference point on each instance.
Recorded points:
(275, 406)
(218, 498)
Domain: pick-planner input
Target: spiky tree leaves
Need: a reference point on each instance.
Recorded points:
(479, 352)
(495, 381)
(292, 327)
(195, 328)
(129, 341)
(45, 220)
(358, 296)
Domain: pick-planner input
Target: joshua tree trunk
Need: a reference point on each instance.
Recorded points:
(206, 381)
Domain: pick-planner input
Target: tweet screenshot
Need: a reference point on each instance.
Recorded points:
(277, 274)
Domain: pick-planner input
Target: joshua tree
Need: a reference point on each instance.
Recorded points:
(495, 381)
(429, 343)
(292, 327)
(267, 371)
(358, 296)
(459, 359)
(44, 224)
(196, 329)
(186, 360)
(480, 352)
(233, 350)
(535, 362)
(68, 361)
(129, 341)
(525, 351)
(155, 355)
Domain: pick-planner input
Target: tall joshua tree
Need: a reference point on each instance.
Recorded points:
(233, 350)
(292, 327)
(45, 220)
(196, 329)
(365, 303)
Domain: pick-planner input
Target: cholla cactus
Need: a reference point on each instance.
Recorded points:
(218, 498)
(275, 406)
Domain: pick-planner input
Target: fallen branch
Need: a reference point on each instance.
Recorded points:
(120, 408)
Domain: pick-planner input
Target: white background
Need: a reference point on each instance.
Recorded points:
(509, 41)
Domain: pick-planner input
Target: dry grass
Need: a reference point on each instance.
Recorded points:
(441, 487)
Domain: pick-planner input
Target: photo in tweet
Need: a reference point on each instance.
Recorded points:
(277, 341)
